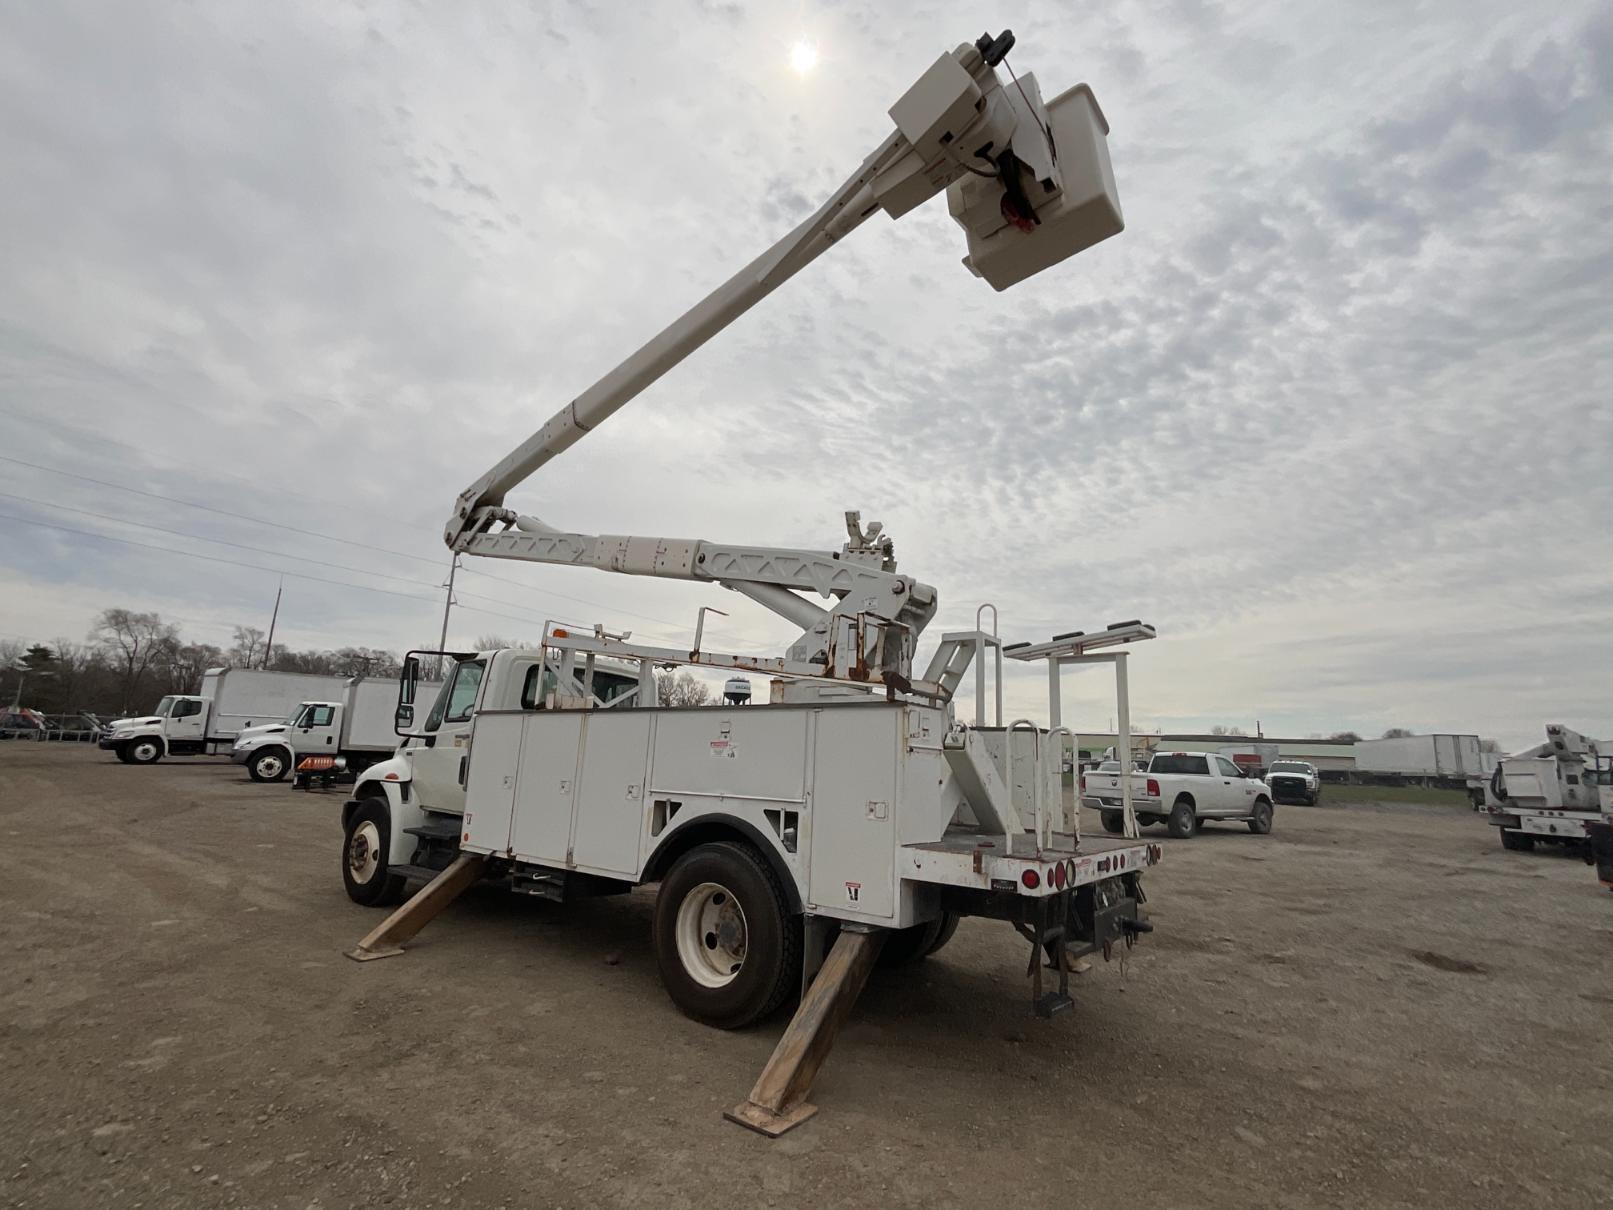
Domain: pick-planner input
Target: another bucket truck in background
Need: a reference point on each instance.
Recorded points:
(1553, 792)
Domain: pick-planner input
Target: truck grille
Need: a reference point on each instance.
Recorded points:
(1288, 787)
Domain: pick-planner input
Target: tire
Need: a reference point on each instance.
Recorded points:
(1183, 820)
(904, 947)
(949, 926)
(1514, 841)
(1114, 823)
(1260, 823)
(143, 751)
(1315, 799)
(366, 845)
(268, 764)
(726, 944)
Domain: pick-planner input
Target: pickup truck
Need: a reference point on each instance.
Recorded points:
(1182, 790)
(1294, 781)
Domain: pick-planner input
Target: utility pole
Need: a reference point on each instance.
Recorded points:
(273, 618)
(447, 604)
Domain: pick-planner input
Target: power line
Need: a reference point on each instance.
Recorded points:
(296, 575)
(223, 512)
(179, 533)
(679, 627)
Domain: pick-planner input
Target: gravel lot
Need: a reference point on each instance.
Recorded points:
(1370, 1006)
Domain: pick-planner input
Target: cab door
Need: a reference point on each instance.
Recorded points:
(315, 732)
(1236, 792)
(439, 754)
(187, 721)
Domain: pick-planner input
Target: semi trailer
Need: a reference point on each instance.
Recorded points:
(333, 739)
(852, 814)
(230, 702)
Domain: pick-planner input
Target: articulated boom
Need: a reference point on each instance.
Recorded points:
(868, 635)
(1030, 184)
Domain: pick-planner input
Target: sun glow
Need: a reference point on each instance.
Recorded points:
(803, 56)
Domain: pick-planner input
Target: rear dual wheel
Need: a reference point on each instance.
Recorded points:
(1515, 841)
(726, 943)
(903, 947)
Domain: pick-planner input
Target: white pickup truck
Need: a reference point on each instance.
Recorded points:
(1182, 790)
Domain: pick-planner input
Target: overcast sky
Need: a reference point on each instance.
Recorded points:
(1333, 412)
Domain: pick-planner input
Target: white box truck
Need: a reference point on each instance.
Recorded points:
(332, 739)
(230, 701)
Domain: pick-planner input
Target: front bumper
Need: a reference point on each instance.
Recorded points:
(1291, 791)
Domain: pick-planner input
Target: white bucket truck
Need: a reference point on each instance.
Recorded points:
(1551, 793)
(230, 702)
(330, 739)
(851, 814)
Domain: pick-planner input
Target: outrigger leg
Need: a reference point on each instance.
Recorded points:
(779, 1101)
(387, 938)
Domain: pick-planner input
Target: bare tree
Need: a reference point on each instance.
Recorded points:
(680, 689)
(1345, 737)
(1398, 733)
(247, 650)
(1489, 745)
(1223, 729)
(131, 642)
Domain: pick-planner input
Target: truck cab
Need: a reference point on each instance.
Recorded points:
(402, 805)
(178, 725)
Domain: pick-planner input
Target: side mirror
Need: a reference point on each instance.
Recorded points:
(408, 680)
(403, 719)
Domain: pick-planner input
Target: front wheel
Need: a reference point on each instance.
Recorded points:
(1260, 822)
(366, 846)
(727, 948)
(143, 751)
(268, 765)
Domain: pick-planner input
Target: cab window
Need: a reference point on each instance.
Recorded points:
(458, 698)
(318, 716)
(184, 709)
(1228, 769)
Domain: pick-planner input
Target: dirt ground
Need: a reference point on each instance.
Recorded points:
(1371, 1006)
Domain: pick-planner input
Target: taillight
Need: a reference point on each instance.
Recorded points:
(1059, 875)
(1083, 781)
(1153, 788)
(1031, 879)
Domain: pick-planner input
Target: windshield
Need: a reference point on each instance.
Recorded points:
(1179, 762)
(296, 712)
(164, 707)
(1289, 766)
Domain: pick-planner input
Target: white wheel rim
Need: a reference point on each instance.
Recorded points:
(712, 935)
(270, 767)
(364, 852)
(145, 751)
